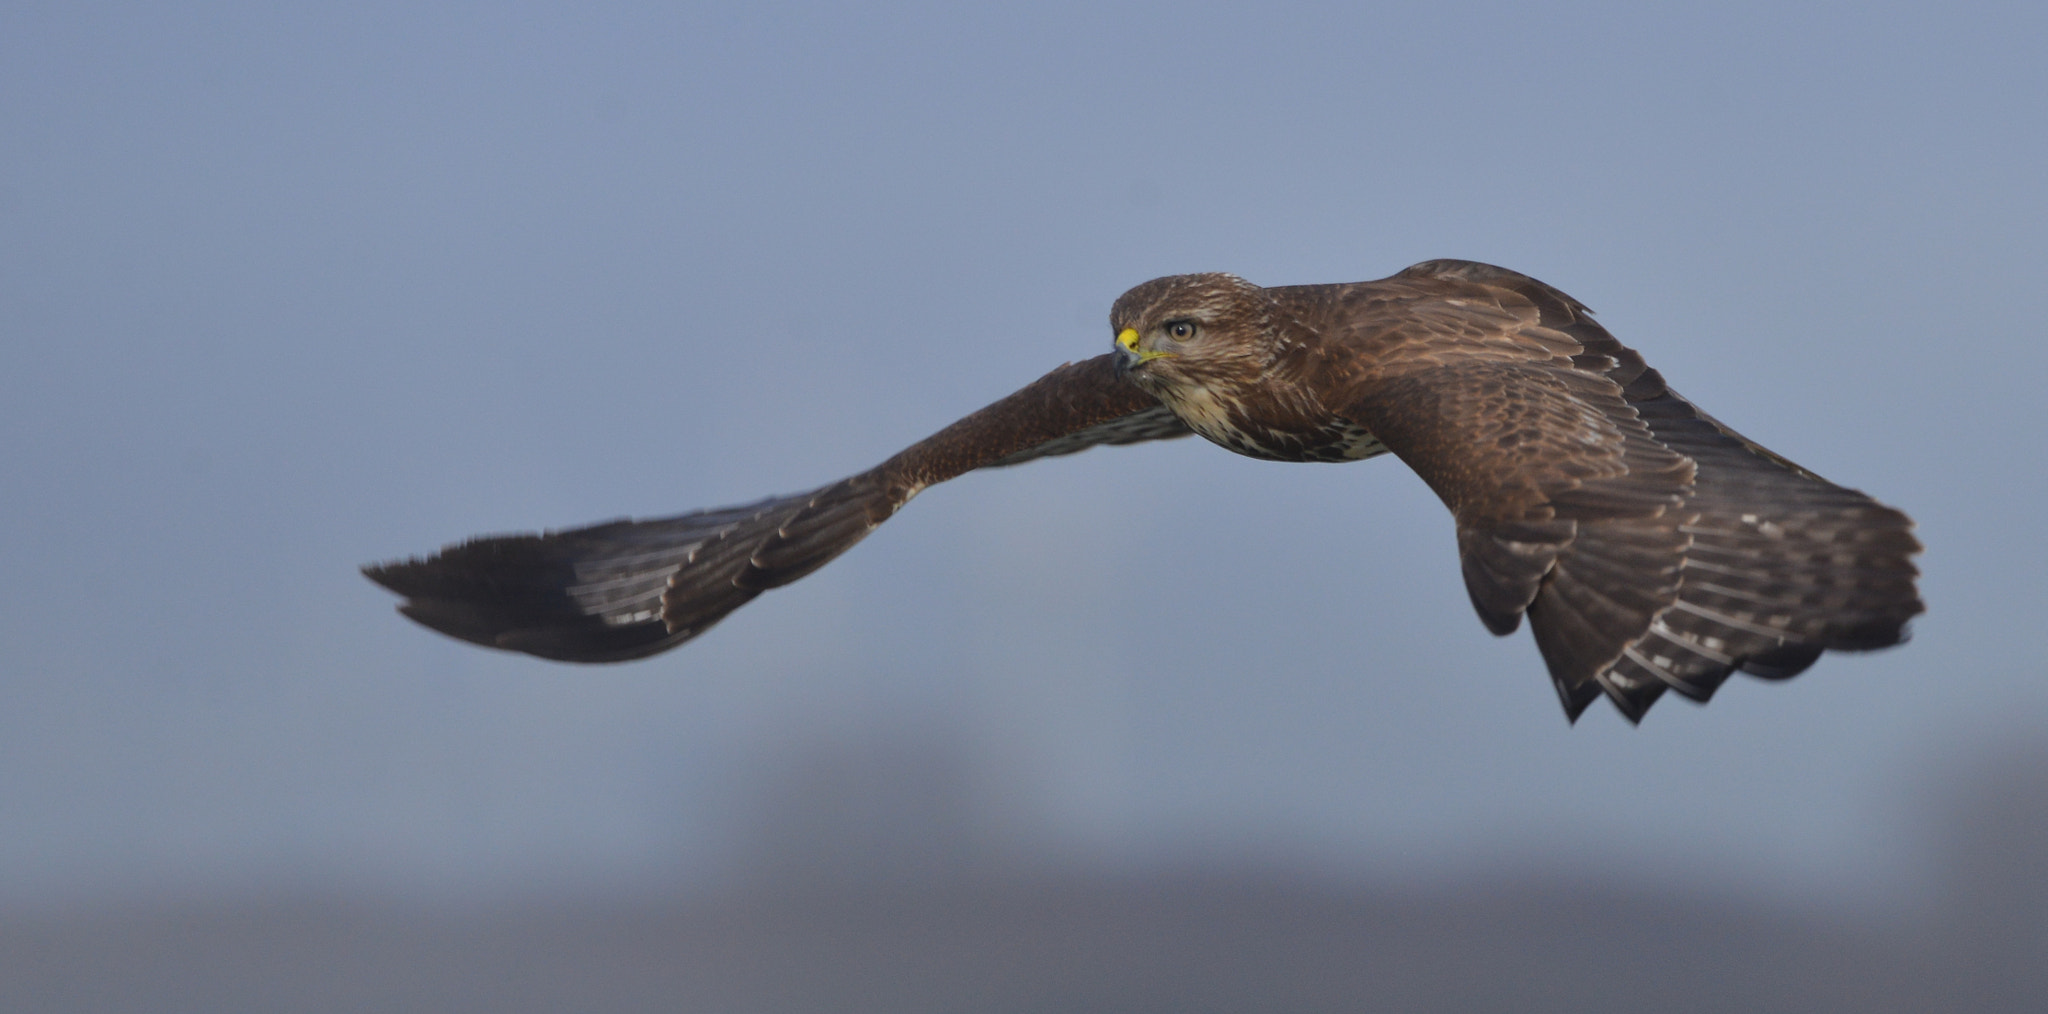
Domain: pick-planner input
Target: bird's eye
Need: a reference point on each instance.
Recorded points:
(1180, 330)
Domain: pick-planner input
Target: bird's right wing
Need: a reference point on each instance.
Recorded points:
(627, 589)
(1155, 423)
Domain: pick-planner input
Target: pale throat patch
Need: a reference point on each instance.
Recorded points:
(1199, 408)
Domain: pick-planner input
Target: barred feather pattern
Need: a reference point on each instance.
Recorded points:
(1652, 547)
(1777, 566)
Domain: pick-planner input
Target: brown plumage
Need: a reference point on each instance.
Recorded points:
(1651, 547)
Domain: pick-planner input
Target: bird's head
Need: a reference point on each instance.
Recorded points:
(1186, 329)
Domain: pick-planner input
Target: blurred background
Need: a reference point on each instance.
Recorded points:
(286, 290)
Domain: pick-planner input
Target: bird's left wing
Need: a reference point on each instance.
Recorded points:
(628, 589)
(1652, 547)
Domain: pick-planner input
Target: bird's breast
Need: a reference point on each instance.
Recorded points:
(1272, 432)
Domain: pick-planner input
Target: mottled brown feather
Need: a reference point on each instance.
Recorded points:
(1694, 552)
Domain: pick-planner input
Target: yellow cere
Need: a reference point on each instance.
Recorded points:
(1128, 338)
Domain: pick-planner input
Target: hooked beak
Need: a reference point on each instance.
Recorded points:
(1129, 356)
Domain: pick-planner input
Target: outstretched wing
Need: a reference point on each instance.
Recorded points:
(1651, 547)
(628, 589)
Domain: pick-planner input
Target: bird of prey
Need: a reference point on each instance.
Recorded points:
(1651, 547)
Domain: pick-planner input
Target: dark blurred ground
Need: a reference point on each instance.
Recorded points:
(1195, 944)
(837, 912)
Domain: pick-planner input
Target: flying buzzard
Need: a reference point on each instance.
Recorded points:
(1651, 547)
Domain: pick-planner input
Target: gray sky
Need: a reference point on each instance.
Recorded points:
(286, 291)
